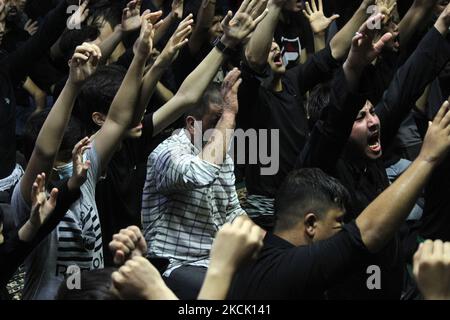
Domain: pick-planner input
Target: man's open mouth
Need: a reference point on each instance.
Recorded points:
(277, 59)
(373, 142)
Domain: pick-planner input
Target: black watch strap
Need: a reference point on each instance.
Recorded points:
(223, 48)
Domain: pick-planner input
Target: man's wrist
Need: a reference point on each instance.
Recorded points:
(72, 184)
(28, 230)
(354, 69)
(74, 86)
(229, 43)
(320, 34)
(229, 114)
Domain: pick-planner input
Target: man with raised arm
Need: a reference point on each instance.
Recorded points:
(189, 192)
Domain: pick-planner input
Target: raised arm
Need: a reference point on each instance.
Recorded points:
(204, 21)
(175, 15)
(421, 68)
(236, 29)
(82, 65)
(121, 113)
(131, 22)
(411, 22)
(331, 133)
(258, 48)
(319, 23)
(342, 41)
(163, 117)
(217, 147)
(379, 222)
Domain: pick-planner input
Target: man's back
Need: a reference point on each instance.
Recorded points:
(284, 271)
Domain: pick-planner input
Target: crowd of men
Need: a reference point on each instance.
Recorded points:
(126, 128)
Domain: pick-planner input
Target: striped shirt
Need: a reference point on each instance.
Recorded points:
(185, 201)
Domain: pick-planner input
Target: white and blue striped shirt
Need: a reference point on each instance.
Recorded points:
(185, 202)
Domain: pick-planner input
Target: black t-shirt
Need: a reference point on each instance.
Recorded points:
(119, 195)
(293, 34)
(262, 108)
(283, 271)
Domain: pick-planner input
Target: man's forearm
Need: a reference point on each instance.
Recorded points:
(418, 12)
(123, 106)
(54, 126)
(190, 91)
(197, 82)
(163, 28)
(108, 46)
(49, 138)
(216, 150)
(148, 88)
(379, 222)
(216, 285)
(319, 41)
(258, 47)
(342, 41)
(205, 18)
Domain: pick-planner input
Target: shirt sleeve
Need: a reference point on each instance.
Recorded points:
(176, 169)
(317, 69)
(326, 262)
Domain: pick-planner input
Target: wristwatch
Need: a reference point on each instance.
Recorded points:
(223, 48)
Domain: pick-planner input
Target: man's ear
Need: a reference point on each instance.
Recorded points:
(310, 225)
(98, 118)
(190, 124)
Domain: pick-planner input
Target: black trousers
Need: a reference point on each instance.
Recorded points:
(186, 281)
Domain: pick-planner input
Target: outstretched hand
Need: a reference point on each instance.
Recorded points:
(80, 167)
(131, 16)
(230, 89)
(236, 28)
(317, 19)
(364, 50)
(41, 205)
(178, 40)
(436, 143)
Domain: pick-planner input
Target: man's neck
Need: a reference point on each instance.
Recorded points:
(277, 84)
(292, 236)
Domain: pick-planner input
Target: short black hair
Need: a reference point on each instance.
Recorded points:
(94, 285)
(307, 190)
(318, 100)
(106, 10)
(75, 131)
(97, 93)
(212, 95)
